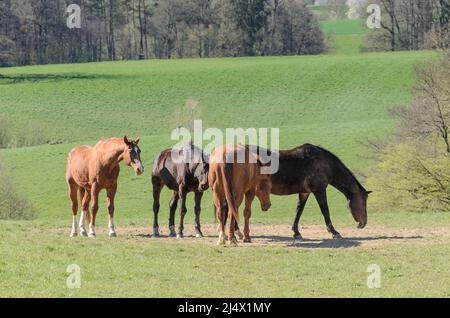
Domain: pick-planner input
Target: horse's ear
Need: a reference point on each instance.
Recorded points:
(137, 140)
(125, 140)
(368, 192)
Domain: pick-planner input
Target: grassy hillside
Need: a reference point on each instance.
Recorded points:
(345, 36)
(335, 101)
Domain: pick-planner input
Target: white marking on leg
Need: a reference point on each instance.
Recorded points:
(91, 230)
(74, 226)
(221, 240)
(83, 231)
(112, 231)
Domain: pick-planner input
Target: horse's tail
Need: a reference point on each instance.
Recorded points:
(227, 179)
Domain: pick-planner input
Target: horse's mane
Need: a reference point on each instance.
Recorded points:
(339, 161)
(103, 141)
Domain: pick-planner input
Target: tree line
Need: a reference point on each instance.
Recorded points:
(410, 25)
(35, 31)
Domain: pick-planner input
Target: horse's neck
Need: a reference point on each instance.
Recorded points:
(346, 183)
(110, 156)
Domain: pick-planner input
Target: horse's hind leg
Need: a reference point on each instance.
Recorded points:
(302, 198)
(321, 197)
(157, 187)
(85, 199)
(73, 193)
(249, 196)
(95, 190)
(237, 231)
(218, 199)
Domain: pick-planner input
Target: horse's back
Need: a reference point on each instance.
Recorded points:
(158, 163)
(78, 164)
(243, 174)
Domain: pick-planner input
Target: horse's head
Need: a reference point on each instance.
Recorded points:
(198, 165)
(263, 188)
(357, 205)
(132, 155)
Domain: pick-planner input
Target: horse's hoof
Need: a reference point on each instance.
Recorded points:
(180, 236)
(198, 235)
(239, 234)
(91, 234)
(233, 242)
(83, 234)
(337, 236)
(73, 234)
(247, 240)
(156, 234)
(112, 234)
(172, 234)
(221, 242)
(298, 237)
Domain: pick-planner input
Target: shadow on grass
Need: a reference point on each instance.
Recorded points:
(345, 242)
(284, 241)
(32, 78)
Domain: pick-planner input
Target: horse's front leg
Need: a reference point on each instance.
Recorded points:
(95, 190)
(111, 194)
(302, 198)
(183, 211)
(173, 209)
(321, 197)
(198, 201)
(157, 186)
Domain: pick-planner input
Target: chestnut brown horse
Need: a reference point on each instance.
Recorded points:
(230, 180)
(91, 169)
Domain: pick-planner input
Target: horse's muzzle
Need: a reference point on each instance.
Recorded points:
(362, 225)
(266, 207)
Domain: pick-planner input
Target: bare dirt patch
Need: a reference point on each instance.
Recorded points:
(314, 236)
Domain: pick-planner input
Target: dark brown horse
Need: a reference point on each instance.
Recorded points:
(310, 169)
(91, 169)
(182, 170)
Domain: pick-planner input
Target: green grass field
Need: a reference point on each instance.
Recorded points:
(346, 36)
(337, 101)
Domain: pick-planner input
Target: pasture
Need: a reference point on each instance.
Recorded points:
(337, 101)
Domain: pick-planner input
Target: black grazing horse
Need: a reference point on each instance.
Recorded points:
(310, 169)
(182, 170)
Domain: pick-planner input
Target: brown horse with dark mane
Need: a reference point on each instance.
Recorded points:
(310, 169)
(182, 170)
(91, 169)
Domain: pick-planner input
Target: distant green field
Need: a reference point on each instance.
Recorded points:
(337, 101)
(346, 35)
(329, 12)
